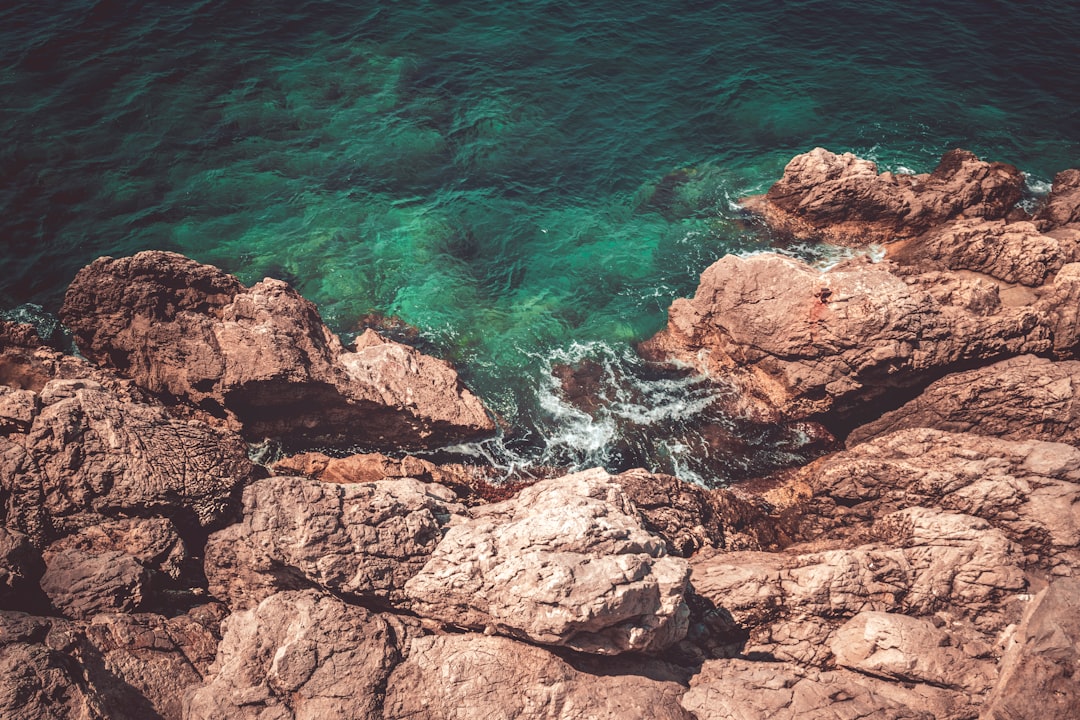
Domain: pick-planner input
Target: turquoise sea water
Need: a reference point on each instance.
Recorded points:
(527, 183)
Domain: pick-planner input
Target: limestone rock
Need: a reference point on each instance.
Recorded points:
(566, 562)
(300, 655)
(1039, 670)
(460, 677)
(82, 584)
(263, 355)
(1020, 398)
(1062, 206)
(726, 689)
(808, 342)
(361, 540)
(1028, 490)
(844, 200)
(906, 649)
(921, 562)
(1013, 252)
(92, 453)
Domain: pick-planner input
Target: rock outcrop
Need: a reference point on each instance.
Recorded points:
(567, 562)
(460, 677)
(843, 199)
(358, 540)
(807, 342)
(303, 655)
(263, 356)
(1021, 398)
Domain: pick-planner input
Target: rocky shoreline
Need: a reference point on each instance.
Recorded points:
(149, 568)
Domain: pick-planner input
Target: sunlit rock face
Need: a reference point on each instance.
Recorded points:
(263, 357)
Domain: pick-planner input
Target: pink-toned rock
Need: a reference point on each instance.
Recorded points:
(1040, 667)
(1062, 206)
(735, 688)
(1014, 252)
(153, 542)
(844, 200)
(461, 677)
(919, 562)
(82, 584)
(808, 343)
(144, 664)
(1060, 303)
(567, 562)
(359, 540)
(302, 655)
(93, 452)
(262, 355)
(1021, 398)
(1028, 490)
(906, 649)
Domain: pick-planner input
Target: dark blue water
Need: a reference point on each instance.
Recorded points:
(526, 182)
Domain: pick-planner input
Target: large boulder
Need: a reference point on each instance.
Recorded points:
(808, 342)
(1021, 398)
(262, 355)
(844, 200)
(303, 656)
(358, 540)
(82, 584)
(567, 562)
(1062, 206)
(460, 677)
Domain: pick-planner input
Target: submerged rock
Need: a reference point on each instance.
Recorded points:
(262, 355)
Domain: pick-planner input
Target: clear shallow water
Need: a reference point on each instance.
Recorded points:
(525, 182)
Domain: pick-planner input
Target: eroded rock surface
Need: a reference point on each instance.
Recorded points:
(362, 540)
(734, 688)
(566, 562)
(300, 655)
(460, 677)
(844, 200)
(92, 453)
(1039, 670)
(1020, 398)
(1028, 490)
(808, 342)
(263, 355)
(921, 562)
